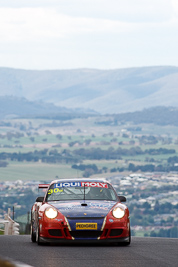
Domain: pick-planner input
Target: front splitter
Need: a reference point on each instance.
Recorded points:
(86, 241)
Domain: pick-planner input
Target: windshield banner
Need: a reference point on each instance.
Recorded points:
(81, 184)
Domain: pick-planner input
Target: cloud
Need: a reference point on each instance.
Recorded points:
(175, 7)
(88, 33)
(127, 10)
(26, 24)
(33, 20)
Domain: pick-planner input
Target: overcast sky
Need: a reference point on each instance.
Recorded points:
(102, 34)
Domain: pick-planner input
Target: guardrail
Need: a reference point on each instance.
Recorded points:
(10, 226)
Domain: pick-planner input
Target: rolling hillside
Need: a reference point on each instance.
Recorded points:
(12, 107)
(105, 91)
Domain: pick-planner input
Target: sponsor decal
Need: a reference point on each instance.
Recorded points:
(86, 226)
(69, 184)
(81, 184)
(55, 190)
(94, 184)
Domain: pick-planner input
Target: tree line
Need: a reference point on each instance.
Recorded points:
(111, 153)
(78, 155)
(92, 154)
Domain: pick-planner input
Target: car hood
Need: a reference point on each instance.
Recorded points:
(92, 208)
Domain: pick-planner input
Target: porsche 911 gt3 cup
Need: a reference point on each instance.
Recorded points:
(80, 210)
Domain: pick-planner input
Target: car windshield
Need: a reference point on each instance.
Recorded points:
(80, 191)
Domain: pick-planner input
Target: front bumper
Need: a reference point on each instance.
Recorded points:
(108, 230)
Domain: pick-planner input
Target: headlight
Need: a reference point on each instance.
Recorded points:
(118, 213)
(51, 213)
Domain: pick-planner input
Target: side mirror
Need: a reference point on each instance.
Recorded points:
(122, 198)
(39, 199)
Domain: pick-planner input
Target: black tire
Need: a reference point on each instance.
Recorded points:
(38, 238)
(33, 235)
(38, 235)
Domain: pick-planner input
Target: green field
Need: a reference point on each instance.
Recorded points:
(81, 133)
(40, 171)
(37, 171)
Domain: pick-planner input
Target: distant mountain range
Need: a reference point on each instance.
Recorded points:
(16, 107)
(13, 107)
(105, 91)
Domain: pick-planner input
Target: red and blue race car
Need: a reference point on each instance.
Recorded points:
(83, 210)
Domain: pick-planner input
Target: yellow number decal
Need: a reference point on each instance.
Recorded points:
(56, 190)
(50, 191)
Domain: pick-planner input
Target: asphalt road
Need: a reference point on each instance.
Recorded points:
(143, 252)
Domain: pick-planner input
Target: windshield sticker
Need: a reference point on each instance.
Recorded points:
(81, 184)
(55, 190)
(69, 184)
(95, 184)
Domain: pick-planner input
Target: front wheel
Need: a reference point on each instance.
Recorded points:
(38, 235)
(38, 238)
(33, 235)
